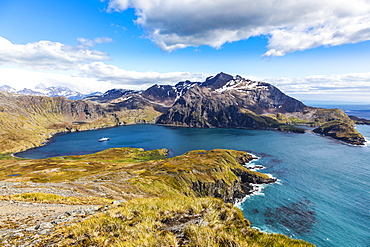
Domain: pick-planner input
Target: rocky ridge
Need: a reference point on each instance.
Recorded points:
(50, 91)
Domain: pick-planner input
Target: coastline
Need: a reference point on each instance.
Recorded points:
(256, 188)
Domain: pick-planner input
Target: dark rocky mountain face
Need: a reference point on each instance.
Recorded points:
(218, 81)
(228, 102)
(164, 94)
(111, 95)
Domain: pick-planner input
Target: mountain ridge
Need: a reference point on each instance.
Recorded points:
(51, 91)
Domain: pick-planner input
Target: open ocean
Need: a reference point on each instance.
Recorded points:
(323, 193)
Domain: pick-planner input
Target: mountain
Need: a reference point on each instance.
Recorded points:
(62, 91)
(7, 88)
(50, 91)
(230, 102)
(110, 95)
(26, 91)
(224, 101)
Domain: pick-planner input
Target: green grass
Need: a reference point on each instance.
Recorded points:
(52, 198)
(291, 128)
(168, 200)
(179, 221)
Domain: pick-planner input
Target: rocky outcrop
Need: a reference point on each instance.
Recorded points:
(244, 185)
(217, 173)
(362, 121)
(341, 131)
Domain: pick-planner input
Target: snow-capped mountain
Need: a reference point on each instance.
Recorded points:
(51, 91)
(8, 89)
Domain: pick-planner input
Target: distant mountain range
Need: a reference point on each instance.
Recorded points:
(49, 91)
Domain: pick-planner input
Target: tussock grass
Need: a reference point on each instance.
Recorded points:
(174, 209)
(52, 198)
(180, 221)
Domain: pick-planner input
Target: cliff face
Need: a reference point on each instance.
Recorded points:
(217, 173)
(204, 108)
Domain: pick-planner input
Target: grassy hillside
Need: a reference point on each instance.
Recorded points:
(28, 121)
(161, 201)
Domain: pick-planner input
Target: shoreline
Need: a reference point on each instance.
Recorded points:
(49, 139)
(256, 188)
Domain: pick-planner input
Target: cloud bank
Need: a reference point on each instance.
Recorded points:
(289, 25)
(48, 55)
(353, 87)
(113, 74)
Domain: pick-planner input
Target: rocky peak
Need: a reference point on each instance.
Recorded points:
(26, 91)
(217, 81)
(111, 95)
(160, 92)
(183, 86)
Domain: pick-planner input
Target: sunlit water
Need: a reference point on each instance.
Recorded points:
(324, 185)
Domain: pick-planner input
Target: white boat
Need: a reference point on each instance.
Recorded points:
(104, 139)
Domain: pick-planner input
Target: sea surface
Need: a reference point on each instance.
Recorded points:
(323, 189)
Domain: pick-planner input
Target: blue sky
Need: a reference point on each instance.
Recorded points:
(312, 50)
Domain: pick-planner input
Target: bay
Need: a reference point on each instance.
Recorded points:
(323, 191)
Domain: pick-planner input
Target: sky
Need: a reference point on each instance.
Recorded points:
(313, 50)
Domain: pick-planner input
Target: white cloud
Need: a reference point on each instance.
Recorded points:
(93, 77)
(92, 43)
(289, 25)
(48, 55)
(353, 87)
(19, 78)
(113, 74)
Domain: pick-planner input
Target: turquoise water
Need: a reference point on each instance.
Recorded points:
(323, 193)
